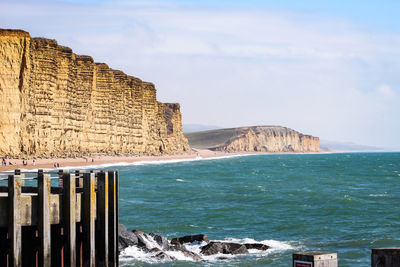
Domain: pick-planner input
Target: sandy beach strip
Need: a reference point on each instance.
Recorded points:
(48, 163)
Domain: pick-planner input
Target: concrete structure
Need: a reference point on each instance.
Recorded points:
(315, 259)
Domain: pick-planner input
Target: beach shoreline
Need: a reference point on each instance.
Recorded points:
(93, 161)
(49, 163)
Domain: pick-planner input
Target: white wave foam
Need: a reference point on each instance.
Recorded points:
(377, 195)
(179, 180)
(138, 254)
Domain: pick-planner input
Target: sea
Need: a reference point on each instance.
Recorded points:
(346, 203)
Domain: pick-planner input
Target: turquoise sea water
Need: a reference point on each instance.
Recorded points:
(344, 203)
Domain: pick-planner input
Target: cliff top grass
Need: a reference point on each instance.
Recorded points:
(15, 33)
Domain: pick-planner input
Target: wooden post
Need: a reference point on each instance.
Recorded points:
(112, 220)
(14, 220)
(3, 246)
(56, 245)
(315, 259)
(102, 219)
(44, 187)
(385, 257)
(79, 178)
(69, 197)
(117, 211)
(88, 216)
(79, 261)
(29, 246)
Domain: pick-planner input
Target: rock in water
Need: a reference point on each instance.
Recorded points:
(258, 246)
(125, 238)
(224, 248)
(185, 251)
(163, 256)
(190, 239)
(161, 241)
(145, 241)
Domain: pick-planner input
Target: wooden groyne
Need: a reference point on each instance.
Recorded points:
(59, 218)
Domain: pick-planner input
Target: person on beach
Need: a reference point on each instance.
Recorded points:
(3, 162)
(34, 162)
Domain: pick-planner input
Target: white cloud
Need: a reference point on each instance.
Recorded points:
(386, 91)
(230, 66)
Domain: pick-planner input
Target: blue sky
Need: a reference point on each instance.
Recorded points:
(326, 68)
(366, 13)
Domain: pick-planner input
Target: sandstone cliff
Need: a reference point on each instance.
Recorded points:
(256, 138)
(57, 103)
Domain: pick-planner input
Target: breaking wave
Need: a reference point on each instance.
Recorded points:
(133, 253)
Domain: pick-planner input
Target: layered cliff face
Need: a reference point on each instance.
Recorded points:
(56, 103)
(254, 139)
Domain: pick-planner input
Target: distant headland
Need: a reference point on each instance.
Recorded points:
(254, 139)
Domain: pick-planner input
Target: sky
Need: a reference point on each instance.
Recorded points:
(326, 68)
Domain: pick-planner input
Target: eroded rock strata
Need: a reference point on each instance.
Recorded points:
(254, 139)
(57, 103)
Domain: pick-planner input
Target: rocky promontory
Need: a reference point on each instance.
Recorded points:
(56, 103)
(160, 248)
(254, 139)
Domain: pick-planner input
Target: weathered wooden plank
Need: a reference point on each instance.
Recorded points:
(79, 178)
(69, 222)
(112, 220)
(14, 218)
(29, 246)
(88, 219)
(79, 261)
(102, 219)
(117, 210)
(56, 245)
(33, 189)
(44, 218)
(3, 246)
(29, 204)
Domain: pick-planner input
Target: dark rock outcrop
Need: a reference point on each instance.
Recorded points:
(190, 239)
(126, 238)
(158, 246)
(161, 241)
(224, 248)
(258, 246)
